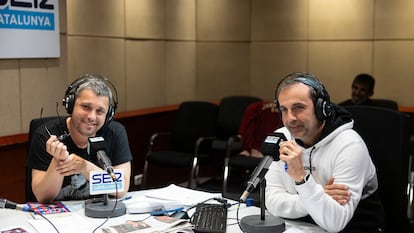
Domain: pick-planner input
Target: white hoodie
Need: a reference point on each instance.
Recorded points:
(341, 155)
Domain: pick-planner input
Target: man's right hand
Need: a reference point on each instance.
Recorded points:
(56, 148)
(338, 192)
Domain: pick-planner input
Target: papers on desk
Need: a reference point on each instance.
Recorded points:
(154, 224)
(167, 198)
(143, 205)
(185, 196)
(69, 224)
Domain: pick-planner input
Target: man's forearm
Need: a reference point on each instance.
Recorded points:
(46, 185)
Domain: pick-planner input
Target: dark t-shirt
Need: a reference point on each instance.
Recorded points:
(76, 186)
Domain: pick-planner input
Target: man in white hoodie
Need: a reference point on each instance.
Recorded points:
(325, 174)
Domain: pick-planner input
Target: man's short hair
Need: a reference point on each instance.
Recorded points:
(366, 79)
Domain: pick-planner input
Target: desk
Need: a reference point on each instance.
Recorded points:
(78, 222)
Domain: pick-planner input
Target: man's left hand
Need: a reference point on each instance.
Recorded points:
(72, 165)
(338, 192)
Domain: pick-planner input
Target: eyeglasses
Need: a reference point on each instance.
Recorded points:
(63, 136)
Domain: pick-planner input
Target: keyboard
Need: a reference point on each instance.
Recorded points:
(210, 218)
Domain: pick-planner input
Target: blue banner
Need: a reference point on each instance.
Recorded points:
(100, 182)
(16, 19)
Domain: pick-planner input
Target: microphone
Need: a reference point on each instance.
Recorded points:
(257, 175)
(270, 148)
(97, 145)
(271, 145)
(106, 163)
(6, 204)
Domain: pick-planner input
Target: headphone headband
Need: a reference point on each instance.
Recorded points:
(320, 96)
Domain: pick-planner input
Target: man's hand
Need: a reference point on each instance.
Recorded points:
(338, 192)
(56, 148)
(291, 154)
(72, 165)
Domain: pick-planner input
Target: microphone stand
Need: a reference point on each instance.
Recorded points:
(104, 208)
(262, 223)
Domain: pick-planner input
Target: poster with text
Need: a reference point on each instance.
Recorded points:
(29, 29)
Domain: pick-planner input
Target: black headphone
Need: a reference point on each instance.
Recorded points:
(70, 94)
(320, 96)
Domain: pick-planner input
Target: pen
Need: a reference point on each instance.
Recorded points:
(125, 198)
(163, 212)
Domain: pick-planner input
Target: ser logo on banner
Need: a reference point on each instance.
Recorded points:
(101, 182)
(29, 28)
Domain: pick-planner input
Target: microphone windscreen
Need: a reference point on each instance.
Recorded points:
(271, 145)
(95, 144)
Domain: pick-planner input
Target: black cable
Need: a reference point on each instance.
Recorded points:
(41, 215)
(193, 206)
(237, 217)
(221, 200)
(113, 210)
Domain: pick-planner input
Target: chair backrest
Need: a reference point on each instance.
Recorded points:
(386, 103)
(230, 114)
(34, 124)
(386, 133)
(194, 119)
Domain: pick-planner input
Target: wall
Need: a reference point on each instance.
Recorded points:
(161, 52)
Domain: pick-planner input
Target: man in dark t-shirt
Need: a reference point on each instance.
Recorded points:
(60, 168)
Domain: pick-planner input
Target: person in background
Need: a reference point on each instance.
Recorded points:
(325, 174)
(60, 168)
(259, 119)
(362, 89)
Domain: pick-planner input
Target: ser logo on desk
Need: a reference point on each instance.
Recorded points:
(101, 182)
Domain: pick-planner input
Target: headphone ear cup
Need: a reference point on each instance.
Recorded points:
(318, 109)
(278, 109)
(110, 114)
(327, 109)
(69, 102)
(323, 109)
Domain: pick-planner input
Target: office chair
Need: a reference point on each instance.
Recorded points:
(386, 133)
(189, 142)
(386, 103)
(229, 118)
(34, 124)
(259, 120)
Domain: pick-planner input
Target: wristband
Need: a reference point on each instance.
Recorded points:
(304, 180)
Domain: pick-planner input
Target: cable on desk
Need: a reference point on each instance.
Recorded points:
(41, 215)
(113, 209)
(6, 204)
(237, 217)
(221, 200)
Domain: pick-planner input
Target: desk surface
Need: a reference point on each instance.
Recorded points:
(78, 222)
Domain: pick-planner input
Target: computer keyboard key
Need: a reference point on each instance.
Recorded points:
(210, 218)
